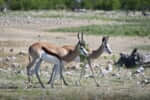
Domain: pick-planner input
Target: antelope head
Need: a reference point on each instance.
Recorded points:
(82, 45)
(105, 45)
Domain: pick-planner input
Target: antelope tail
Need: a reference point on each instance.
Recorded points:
(29, 58)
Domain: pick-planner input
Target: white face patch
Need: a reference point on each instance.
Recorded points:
(49, 58)
(108, 49)
(83, 51)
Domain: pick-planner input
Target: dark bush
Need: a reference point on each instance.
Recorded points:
(71, 4)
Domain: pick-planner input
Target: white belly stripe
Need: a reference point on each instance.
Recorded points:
(49, 58)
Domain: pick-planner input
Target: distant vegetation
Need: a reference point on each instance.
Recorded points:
(129, 26)
(123, 29)
(72, 4)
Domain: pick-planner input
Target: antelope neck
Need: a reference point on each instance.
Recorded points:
(72, 55)
(96, 53)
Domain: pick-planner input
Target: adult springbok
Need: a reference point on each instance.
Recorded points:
(42, 51)
(104, 47)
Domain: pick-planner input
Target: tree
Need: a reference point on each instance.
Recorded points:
(88, 4)
(1, 2)
(116, 4)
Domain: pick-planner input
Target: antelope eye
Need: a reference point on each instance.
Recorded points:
(82, 43)
(106, 46)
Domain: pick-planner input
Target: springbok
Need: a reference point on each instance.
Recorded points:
(42, 51)
(104, 47)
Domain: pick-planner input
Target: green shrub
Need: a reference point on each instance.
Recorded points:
(1, 2)
(69, 4)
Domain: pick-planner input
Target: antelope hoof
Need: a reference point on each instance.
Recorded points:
(77, 83)
(29, 85)
(97, 85)
(43, 86)
(48, 82)
(52, 86)
(66, 83)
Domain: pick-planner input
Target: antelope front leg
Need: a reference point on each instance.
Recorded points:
(89, 62)
(61, 73)
(81, 74)
(52, 75)
(54, 70)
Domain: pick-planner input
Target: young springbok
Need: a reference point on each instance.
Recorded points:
(42, 51)
(104, 47)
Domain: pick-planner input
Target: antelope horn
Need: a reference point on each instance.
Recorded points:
(78, 36)
(82, 35)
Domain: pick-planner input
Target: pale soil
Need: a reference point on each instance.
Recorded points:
(26, 32)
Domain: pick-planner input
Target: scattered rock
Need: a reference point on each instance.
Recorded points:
(103, 71)
(95, 65)
(22, 53)
(15, 65)
(74, 66)
(140, 70)
(11, 50)
(46, 74)
(69, 73)
(71, 68)
(106, 70)
(12, 58)
(7, 59)
(89, 76)
(144, 82)
(3, 70)
(109, 68)
(116, 75)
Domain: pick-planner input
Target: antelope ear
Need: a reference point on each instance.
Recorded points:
(103, 39)
(79, 37)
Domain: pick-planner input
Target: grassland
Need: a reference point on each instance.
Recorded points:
(129, 26)
(20, 29)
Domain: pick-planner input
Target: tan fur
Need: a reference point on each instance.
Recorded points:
(66, 52)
